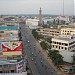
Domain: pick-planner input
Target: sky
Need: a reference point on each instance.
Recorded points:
(54, 7)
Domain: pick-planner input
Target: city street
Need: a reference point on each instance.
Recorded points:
(38, 63)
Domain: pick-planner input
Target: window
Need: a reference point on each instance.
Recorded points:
(62, 47)
(59, 47)
(53, 46)
(1, 72)
(12, 71)
(55, 42)
(1, 31)
(65, 44)
(59, 43)
(57, 32)
(65, 48)
(56, 46)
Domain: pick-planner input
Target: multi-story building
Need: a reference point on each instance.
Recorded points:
(12, 64)
(9, 34)
(62, 44)
(49, 32)
(32, 23)
(68, 31)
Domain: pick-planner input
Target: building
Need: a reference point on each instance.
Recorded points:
(68, 31)
(62, 20)
(32, 23)
(9, 35)
(62, 44)
(65, 46)
(11, 58)
(68, 56)
(49, 21)
(9, 27)
(23, 73)
(49, 32)
(14, 64)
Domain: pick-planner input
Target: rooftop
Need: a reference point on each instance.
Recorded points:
(66, 39)
(10, 27)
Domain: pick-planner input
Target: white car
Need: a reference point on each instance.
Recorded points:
(28, 40)
(32, 59)
(32, 53)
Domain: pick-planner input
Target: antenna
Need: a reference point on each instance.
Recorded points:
(63, 7)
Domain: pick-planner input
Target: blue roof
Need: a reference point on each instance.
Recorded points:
(11, 27)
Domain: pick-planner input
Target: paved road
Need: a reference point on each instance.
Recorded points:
(39, 65)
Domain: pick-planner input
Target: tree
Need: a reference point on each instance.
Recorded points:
(55, 56)
(20, 38)
(73, 62)
(48, 40)
(44, 45)
(35, 34)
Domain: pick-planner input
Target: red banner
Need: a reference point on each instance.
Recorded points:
(11, 46)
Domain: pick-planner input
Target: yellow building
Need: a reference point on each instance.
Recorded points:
(49, 32)
(68, 31)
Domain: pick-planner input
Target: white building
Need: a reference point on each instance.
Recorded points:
(64, 18)
(63, 44)
(32, 23)
(48, 21)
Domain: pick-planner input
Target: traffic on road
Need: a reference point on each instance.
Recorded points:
(38, 64)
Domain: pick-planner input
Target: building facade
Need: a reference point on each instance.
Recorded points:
(62, 44)
(49, 32)
(32, 23)
(12, 65)
(68, 31)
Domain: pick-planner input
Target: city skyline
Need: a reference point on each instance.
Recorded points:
(53, 7)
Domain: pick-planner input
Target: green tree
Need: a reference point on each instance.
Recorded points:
(20, 38)
(44, 45)
(35, 34)
(55, 56)
(73, 63)
(48, 40)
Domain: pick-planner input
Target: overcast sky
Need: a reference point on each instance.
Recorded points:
(33, 6)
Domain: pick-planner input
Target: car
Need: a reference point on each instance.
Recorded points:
(41, 61)
(32, 59)
(34, 46)
(28, 41)
(32, 53)
(35, 62)
(35, 55)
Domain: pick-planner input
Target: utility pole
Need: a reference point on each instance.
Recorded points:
(63, 7)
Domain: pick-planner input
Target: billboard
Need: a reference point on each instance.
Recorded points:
(12, 48)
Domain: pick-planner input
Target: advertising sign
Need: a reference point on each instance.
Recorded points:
(20, 65)
(11, 46)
